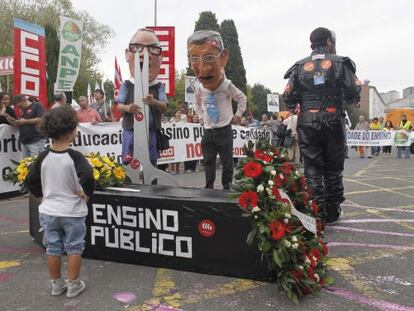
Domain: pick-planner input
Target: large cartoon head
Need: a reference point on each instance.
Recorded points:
(145, 38)
(208, 57)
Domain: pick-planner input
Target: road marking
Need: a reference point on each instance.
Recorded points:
(14, 232)
(373, 220)
(377, 303)
(402, 208)
(371, 231)
(377, 190)
(9, 264)
(365, 168)
(13, 201)
(381, 188)
(369, 245)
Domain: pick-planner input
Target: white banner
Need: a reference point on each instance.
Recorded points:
(9, 150)
(272, 102)
(106, 138)
(378, 138)
(71, 33)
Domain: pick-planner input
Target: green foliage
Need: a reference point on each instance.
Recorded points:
(259, 98)
(109, 90)
(46, 13)
(174, 102)
(235, 68)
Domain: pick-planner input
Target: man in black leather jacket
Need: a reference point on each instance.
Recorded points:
(322, 84)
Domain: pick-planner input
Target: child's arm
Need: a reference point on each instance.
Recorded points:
(33, 179)
(84, 173)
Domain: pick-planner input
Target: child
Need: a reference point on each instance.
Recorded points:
(63, 178)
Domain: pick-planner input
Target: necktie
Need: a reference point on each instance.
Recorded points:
(212, 108)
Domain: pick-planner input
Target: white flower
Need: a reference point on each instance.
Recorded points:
(300, 267)
(255, 209)
(307, 260)
(286, 221)
(294, 238)
(255, 216)
(273, 172)
(317, 278)
(314, 258)
(260, 188)
(287, 243)
(270, 183)
(269, 191)
(287, 215)
(270, 153)
(295, 245)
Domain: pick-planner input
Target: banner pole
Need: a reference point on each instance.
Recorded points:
(155, 12)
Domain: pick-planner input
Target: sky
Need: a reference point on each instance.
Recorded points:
(273, 34)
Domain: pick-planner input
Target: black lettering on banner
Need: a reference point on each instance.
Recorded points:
(105, 139)
(234, 133)
(11, 144)
(96, 139)
(158, 230)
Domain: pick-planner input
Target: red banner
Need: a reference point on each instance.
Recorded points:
(30, 60)
(166, 35)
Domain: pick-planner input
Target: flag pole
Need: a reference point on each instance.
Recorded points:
(155, 12)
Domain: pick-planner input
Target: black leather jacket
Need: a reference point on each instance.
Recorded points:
(322, 80)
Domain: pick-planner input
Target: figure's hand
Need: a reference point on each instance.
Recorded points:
(150, 100)
(133, 109)
(236, 120)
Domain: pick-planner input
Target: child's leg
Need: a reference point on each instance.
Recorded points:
(74, 265)
(54, 264)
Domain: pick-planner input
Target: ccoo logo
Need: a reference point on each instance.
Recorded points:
(207, 228)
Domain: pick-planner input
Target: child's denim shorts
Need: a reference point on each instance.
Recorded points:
(63, 234)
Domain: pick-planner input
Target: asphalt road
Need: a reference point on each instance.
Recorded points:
(371, 249)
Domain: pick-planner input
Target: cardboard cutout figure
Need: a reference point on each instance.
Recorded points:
(142, 100)
(213, 102)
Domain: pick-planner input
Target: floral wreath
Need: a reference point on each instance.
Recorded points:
(274, 194)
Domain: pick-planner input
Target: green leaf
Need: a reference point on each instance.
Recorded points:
(251, 236)
(266, 247)
(277, 259)
(295, 298)
(329, 281)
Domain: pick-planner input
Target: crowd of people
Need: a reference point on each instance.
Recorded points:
(380, 124)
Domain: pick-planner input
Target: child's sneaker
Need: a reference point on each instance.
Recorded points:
(59, 286)
(75, 287)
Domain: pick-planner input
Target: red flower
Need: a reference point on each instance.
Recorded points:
(279, 180)
(276, 193)
(314, 253)
(306, 291)
(305, 197)
(311, 272)
(303, 181)
(314, 207)
(286, 168)
(258, 154)
(298, 274)
(278, 229)
(325, 250)
(252, 169)
(248, 198)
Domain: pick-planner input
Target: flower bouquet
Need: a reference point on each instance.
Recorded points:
(18, 175)
(105, 171)
(274, 194)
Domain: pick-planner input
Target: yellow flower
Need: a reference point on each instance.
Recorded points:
(108, 161)
(96, 174)
(108, 173)
(23, 174)
(96, 163)
(119, 173)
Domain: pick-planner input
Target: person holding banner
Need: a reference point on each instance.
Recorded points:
(32, 141)
(322, 84)
(101, 107)
(405, 125)
(157, 100)
(213, 103)
(7, 114)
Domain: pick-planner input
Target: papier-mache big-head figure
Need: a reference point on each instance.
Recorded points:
(145, 38)
(208, 57)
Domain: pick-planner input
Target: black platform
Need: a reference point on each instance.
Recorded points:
(197, 230)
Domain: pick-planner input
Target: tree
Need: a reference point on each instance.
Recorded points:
(259, 98)
(206, 21)
(109, 90)
(46, 13)
(235, 68)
